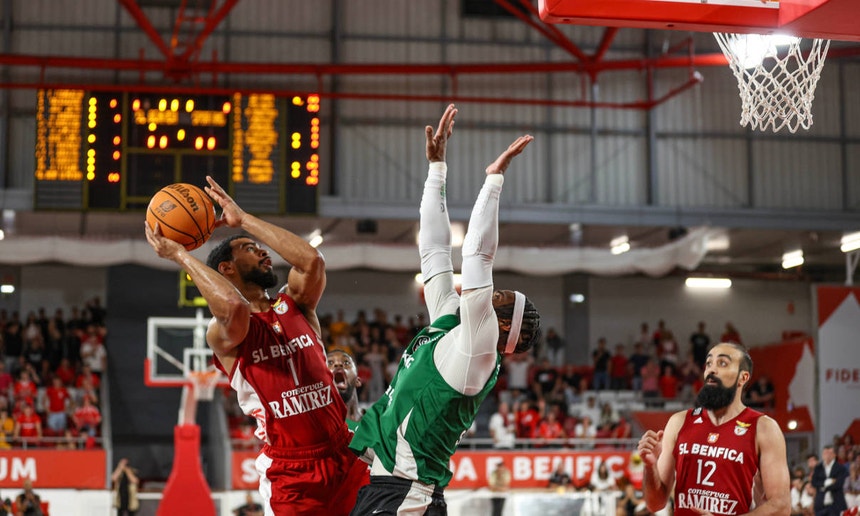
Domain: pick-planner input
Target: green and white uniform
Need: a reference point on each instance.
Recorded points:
(416, 426)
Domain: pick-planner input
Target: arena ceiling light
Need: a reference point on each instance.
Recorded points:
(619, 245)
(7, 289)
(850, 242)
(792, 259)
(315, 238)
(708, 283)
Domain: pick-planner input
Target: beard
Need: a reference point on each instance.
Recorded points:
(347, 393)
(264, 279)
(716, 397)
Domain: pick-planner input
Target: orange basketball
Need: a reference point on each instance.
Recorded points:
(184, 212)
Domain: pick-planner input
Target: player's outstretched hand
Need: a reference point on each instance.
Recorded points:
(438, 141)
(650, 446)
(163, 246)
(501, 164)
(231, 214)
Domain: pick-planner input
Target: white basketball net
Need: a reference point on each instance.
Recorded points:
(775, 78)
(203, 384)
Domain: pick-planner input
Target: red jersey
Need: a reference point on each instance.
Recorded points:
(57, 397)
(281, 379)
(715, 465)
(28, 424)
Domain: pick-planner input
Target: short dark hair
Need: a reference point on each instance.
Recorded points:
(223, 252)
(746, 360)
(530, 329)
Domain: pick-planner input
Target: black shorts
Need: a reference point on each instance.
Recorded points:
(389, 496)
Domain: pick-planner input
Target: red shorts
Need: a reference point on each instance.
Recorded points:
(318, 480)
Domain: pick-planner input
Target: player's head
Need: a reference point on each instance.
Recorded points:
(519, 321)
(728, 368)
(240, 257)
(345, 374)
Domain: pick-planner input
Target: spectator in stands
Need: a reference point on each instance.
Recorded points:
(7, 426)
(499, 481)
(554, 347)
(731, 334)
(6, 382)
(811, 462)
(852, 485)
(622, 430)
(28, 426)
(377, 360)
(668, 383)
(97, 311)
(527, 418)
(585, 429)
(699, 344)
(340, 333)
(125, 488)
(550, 426)
(618, 373)
(601, 479)
(25, 388)
(659, 334)
(518, 371)
(28, 502)
(807, 499)
(690, 376)
(58, 398)
(87, 418)
(608, 415)
(600, 361)
(249, 508)
(65, 372)
(631, 503)
(591, 408)
(645, 337)
(828, 478)
(761, 395)
(503, 427)
(796, 493)
(574, 384)
(637, 362)
(651, 381)
(547, 382)
(559, 480)
(668, 351)
(93, 352)
(13, 345)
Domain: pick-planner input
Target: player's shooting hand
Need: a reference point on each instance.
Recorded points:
(163, 246)
(438, 141)
(501, 164)
(231, 214)
(650, 447)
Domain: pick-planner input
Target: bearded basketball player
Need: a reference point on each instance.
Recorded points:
(450, 366)
(720, 458)
(271, 350)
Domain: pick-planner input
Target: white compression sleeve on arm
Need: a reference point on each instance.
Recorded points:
(434, 233)
(482, 236)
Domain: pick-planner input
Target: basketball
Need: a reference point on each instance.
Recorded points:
(184, 212)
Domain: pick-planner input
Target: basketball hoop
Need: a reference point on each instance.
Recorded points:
(203, 383)
(775, 78)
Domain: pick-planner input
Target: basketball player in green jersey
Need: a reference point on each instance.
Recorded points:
(450, 366)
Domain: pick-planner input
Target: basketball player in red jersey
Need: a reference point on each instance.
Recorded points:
(722, 457)
(271, 350)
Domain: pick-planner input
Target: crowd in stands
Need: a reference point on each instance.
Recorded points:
(50, 372)
(802, 489)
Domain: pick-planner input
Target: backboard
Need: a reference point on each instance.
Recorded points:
(827, 19)
(175, 347)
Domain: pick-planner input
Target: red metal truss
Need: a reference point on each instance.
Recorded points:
(180, 61)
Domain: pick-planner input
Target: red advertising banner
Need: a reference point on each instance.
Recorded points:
(529, 468)
(51, 469)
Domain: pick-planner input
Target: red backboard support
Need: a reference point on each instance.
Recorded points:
(827, 19)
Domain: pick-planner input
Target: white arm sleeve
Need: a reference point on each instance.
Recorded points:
(434, 245)
(482, 236)
(466, 356)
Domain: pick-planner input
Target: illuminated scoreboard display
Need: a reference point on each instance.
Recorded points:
(113, 151)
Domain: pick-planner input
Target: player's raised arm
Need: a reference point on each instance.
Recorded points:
(434, 233)
(229, 307)
(306, 281)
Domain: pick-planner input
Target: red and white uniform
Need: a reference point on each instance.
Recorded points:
(281, 379)
(715, 465)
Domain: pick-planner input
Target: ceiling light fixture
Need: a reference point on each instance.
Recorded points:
(712, 283)
(315, 239)
(7, 289)
(619, 245)
(792, 259)
(850, 242)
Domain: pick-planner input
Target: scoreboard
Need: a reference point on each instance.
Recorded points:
(103, 150)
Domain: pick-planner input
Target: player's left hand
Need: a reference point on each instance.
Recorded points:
(231, 214)
(163, 246)
(501, 164)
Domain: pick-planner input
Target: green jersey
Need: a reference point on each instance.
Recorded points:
(416, 425)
